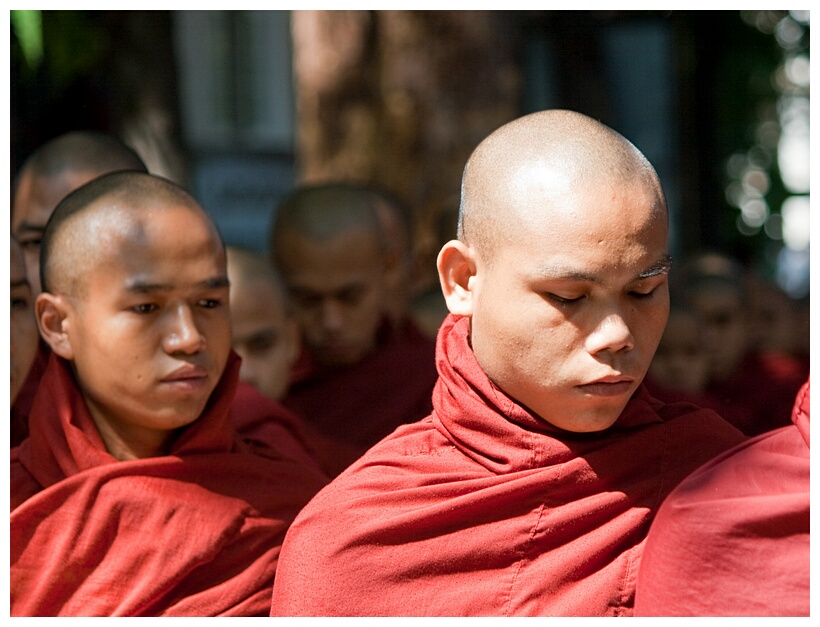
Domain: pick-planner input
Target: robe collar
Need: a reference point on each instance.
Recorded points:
(63, 439)
(497, 431)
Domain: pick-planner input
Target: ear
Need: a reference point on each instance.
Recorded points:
(53, 315)
(456, 268)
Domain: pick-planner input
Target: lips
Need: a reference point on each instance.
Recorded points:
(611, 385)
(187, 377)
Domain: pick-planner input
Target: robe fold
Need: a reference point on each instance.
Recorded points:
(733, 538)
(484, 509)
(196, 532)
(348, 409)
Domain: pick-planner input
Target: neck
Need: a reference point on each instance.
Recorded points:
(126, 442)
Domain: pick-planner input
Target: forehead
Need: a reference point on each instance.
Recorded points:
(596, 228)
(257, 299)
(168, 238)
(353, 253)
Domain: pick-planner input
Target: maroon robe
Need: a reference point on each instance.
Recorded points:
(733, 538)
(196, 532)
(759, 396)
(484, 509)
(351, 408)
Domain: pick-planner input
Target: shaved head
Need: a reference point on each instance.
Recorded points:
(83, 151)
(247, 267)
(563, 151)
(116, 205)
(322, 212)
(56, 169)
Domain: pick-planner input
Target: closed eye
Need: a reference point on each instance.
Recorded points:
(641, 294)
(562, 300)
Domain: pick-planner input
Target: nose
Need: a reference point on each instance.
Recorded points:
(611, 334)
(183, 335)
(332, 315)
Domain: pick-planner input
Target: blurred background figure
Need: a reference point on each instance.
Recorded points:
(54, 170)
(265, 334)
(752, 391)
(360, 375)
(396, 221)
(679, 370)
(773, 319)
(24, 334)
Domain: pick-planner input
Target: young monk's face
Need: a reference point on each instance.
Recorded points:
(150, 332)
(338, 292)
(264, 336)
(34, 201)
(567, 317)
(24, 334)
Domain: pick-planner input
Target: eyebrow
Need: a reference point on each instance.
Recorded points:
(141, 286)
(662, 266)
(19, 283)
(561, 273)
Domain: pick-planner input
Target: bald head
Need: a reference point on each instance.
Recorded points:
(322, 212)
(246, 267)
(56, 169)
(83, 151)
(524, 167)
(119, 204)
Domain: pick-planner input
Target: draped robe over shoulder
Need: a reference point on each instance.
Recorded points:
(348, 409)
(733, 538)
(484, 509)
(196, 532)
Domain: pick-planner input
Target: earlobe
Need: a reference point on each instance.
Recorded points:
(456, 267)
(52, 320)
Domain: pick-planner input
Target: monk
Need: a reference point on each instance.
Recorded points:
(396, 224)
(58, 167)
(679, 371)
(24, 335)
(530, 488)
(359, 376)
(733, 538)
(265, 333)
(133, 494)
(753, 390)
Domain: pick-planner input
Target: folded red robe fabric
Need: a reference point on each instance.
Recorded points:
(484, 509)
(758, 397)
(269, 425)
(194, 533)
(733, 538)
(351, 408)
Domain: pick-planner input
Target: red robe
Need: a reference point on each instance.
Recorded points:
(759, 396)
(484, 509)
(194, 533)
(351, 408)
(264, 423)
(733, 538)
